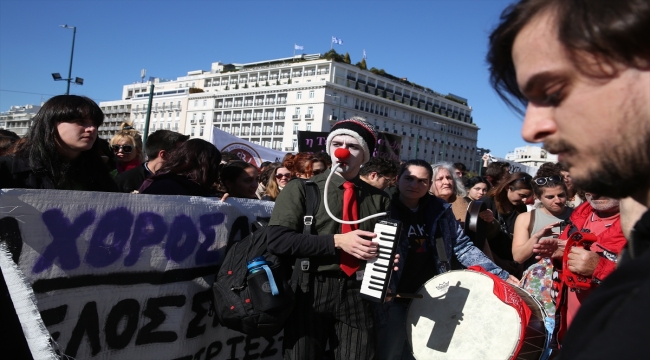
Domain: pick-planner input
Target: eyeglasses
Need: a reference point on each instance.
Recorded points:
(280, 176)
(125, 148)
(545, 180)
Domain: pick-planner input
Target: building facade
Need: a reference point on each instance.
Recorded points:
(533, 156)
(268, 102)
(18, 118)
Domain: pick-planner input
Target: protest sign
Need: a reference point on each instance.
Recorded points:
(312, 141)
(126, 276)
(246, 150)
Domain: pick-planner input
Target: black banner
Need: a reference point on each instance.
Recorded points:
(388, 145)
(312, 141)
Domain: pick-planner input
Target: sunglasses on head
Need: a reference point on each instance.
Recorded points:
(280, 176)
(125, 148)
(556, 179)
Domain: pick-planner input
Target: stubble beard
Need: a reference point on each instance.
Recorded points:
(623, 169)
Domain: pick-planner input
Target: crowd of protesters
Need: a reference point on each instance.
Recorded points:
(595, 53)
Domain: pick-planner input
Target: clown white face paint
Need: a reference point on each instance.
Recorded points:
(353, 163)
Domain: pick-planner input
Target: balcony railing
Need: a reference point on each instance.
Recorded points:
(295, 117)
(309, 116)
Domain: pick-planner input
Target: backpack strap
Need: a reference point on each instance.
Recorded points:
(312, 203)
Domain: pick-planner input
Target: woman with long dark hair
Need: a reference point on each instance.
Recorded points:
(506, 201)
(424, 218)
(59, 151)
(477, 187)
(239, 179)
(192, 169)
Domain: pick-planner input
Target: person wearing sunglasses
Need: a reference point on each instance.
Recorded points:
(60, 151)
(506, 202)
(127, 147)
(304, 165)
(278, 178)
(544, 221)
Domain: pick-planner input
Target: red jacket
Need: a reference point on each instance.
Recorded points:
(609, 245)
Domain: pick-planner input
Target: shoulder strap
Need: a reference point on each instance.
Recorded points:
(312, 202)
(531, 224)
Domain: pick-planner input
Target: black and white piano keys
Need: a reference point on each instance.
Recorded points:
(378, 270)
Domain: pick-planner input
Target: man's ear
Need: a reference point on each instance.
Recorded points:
(373, 176)
(163, 154)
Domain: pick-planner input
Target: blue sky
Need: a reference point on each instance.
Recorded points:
(440, 44)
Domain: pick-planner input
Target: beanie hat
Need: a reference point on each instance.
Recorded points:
(358, 128)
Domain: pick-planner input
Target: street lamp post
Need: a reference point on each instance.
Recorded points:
(338, 117)
(57, 76)
(74, 34)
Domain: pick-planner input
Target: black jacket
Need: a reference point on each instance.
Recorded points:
(131, 180)
(172, 184)
(86, 173)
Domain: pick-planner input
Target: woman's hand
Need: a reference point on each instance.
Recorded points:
(546, 248)
(486, 215)
(546, 231)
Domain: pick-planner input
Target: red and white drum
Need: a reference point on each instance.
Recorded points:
(470, 315)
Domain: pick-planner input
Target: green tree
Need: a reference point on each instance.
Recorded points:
(347, 58)
(362, 64)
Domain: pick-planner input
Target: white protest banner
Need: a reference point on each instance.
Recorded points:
(514, 166)
(128, 276)
(246, 150)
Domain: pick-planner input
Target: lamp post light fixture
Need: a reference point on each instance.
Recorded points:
(57, 76)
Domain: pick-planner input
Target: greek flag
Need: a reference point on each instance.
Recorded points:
(298, 47)
(337, 41)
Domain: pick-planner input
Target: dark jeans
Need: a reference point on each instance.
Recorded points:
(332, 311)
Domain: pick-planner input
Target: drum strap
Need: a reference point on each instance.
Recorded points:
(442, 253)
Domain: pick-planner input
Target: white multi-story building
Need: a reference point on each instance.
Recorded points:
(115, 113)
(531, 156)
(18, 118)
(268, 102)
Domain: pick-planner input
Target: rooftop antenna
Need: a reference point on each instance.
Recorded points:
(143, 74)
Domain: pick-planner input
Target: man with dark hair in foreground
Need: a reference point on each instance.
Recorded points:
(582, 71)
(159, 144)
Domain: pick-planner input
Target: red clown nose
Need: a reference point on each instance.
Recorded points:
(342, 153)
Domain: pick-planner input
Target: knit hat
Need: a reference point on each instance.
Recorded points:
(358, 128)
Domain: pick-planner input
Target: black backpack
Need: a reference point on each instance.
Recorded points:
(245, 301)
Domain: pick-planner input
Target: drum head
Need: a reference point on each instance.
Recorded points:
(461, 318)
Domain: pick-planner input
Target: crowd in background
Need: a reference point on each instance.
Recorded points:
(62, 151)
